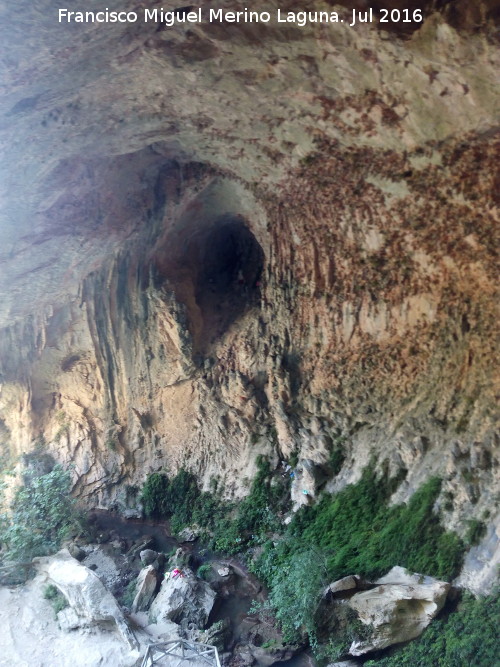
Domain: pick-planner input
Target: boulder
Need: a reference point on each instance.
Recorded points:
(148, 556)
(85, 593)
(185, 599)
(264, 642)
(147, 585)
(68, 619)
(223, 579)
(76, 551)
(142, 545)
(349, 583)
(398, 608)
(218, 635)
(189, 534)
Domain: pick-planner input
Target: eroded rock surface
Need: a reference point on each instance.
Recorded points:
(84, 591)
(398, 609)
(30, 635)
(147, 585)
(185, 600)
(229, 240)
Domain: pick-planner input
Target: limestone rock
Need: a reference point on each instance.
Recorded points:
(130, 346)
(307, 479)
(148, 556)
(85, 592)
(218, 634)
(348, 583)
(185, 599)
(398, 609)
(188, 534)
(146, 587)
(69, 620)
(76, 552)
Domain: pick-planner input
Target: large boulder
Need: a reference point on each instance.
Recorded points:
(397, 609)
(186, 600)
(146, 587)
(85, 593)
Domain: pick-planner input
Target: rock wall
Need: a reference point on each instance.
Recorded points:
(244, 239)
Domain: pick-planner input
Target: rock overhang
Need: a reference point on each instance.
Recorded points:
(90, 122)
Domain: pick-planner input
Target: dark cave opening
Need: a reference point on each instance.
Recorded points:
(228, 276)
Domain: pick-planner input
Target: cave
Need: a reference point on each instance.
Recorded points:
(262, 255)
(227, 278)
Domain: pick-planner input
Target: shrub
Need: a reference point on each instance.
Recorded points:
(42, 515)
(296, 592)
(227, 527)
(368, 537)
(56, 598)
(154, 496)
(204, 571)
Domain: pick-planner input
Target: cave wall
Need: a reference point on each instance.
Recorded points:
(255, 240)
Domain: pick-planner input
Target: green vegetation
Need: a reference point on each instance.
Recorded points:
(128, 594)
(353, 531)
(204, 571)
(56, 598)
(296, 589)
(475, 532)
(466, 637)
(42, 515)
(360, 533)
(336, 459)
(227, 527)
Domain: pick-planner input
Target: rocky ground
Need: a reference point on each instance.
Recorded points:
(92, 629)
(30, 635)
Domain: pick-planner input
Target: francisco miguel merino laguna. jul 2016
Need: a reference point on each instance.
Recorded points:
(181, 16)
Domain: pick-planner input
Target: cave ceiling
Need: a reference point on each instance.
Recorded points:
(92, 117)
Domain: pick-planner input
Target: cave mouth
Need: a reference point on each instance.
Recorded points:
(228, 276)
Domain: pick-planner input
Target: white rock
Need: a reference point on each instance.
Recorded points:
(398, 609)
(68, 619)
(145, 588)
(345, 584)
(186, 598)
(85, 592)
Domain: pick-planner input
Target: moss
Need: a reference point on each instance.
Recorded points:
(336, 459)
(128, 595)
(204, 571)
